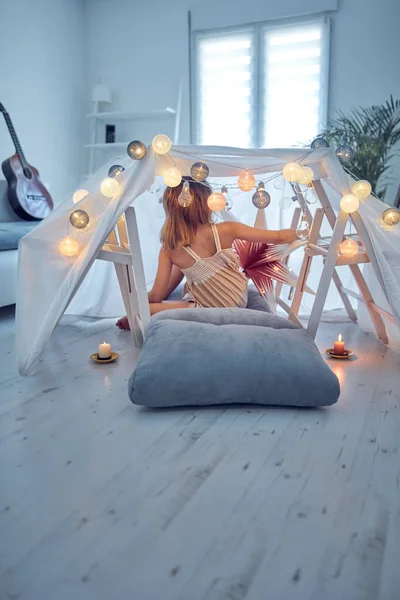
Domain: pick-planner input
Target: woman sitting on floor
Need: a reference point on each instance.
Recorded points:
(196, 248)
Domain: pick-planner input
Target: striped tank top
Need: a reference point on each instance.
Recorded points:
(216, 281)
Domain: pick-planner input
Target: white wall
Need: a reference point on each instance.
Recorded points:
(141, 50)
(149, 53)
(365, 66)
(41, 85)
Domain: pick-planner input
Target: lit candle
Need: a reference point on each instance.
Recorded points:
(338, 347)
(104, 350)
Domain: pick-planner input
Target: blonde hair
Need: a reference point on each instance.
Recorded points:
(181, 223)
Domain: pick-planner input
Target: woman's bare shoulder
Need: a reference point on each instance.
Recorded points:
(226, 226)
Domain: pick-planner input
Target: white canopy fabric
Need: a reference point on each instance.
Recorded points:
(48, 280)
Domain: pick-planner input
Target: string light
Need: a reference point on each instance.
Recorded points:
(319, 142)
(260, 168)
(303, 230)
(185, 198)
(216, 202)
(79, 219)
(136, 150)
(228, 199)
(172, 177)
(79, 195)
(391, 216)
(261, 198)
(68, 246)
(109, 187)
(349, 203)
(345, 153)
(306, 176)
(115, 170)
(161, 144)
(199, 171)
(349, 247)
(361, 189)
(292, 172)
(246, 181)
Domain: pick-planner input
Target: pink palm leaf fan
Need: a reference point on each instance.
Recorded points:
(263, 264)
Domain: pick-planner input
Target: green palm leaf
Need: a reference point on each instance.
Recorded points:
(374, 133)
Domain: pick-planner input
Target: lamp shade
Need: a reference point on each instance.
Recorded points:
(101, 93)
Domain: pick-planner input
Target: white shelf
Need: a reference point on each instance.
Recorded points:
(150, 114)
(108, 145)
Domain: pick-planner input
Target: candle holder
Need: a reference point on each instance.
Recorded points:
(347, 353)
(95, 358)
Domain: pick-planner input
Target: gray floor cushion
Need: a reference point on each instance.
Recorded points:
(263, 360)
(225, 316)
(254, 302)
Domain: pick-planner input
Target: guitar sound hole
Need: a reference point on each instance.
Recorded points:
(27, 173)
(35, 197)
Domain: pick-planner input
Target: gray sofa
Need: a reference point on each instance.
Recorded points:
(12, 229)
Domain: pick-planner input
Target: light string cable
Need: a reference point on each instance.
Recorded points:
(259, 169)
(347, 170)
(216, 184)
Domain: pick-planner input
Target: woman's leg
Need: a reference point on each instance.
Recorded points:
(156, 307)
(175, 280)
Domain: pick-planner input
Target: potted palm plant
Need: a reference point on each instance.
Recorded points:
(374, 134)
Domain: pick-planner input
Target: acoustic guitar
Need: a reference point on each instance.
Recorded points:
(25, 192)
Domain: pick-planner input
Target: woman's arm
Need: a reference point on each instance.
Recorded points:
(159, 291)
(174, 280)
(251, 234)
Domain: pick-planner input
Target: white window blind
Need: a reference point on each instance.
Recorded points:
(225, 84)
(293, 98)
(260, 86)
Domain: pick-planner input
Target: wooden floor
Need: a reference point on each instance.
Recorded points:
(101, 500)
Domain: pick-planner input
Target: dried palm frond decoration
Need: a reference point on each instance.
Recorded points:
(264, 264)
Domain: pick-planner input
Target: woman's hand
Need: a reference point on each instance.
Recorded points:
(288, 236)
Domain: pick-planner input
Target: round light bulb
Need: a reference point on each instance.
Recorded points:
(345, 153)
(79, 195)
(349, 247)
(68, 246)
(349, 203)
(261, 198)
(161, 144)
(391, 216)
(199, 171)
(306, 176)
(115, 170)
(319, 142)
(246, 181)
(109, 187)
(362, 189)
(136, 150)
(292, 172)
(216, 201)
(79, 219)
(185, 198)
(172, 177)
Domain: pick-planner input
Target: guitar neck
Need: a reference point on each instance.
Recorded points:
(15, 140)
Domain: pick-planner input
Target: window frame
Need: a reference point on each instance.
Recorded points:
(258, 29)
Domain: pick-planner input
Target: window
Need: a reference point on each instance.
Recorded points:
(260, 86)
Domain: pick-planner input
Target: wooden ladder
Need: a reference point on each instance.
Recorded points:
(123, 249)
(332, 260)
